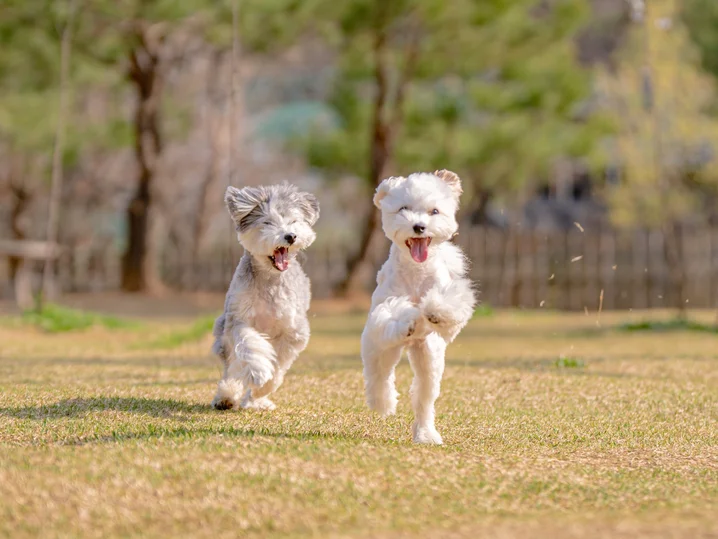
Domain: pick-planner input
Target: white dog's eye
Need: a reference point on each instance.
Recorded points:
(434, 212)
(404, 208)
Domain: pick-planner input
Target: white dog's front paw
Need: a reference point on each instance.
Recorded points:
(406, 328)
(262, 403)
(405, 318)
(426, 434)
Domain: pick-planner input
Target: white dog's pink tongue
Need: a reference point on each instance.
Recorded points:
(419, 249)
(281, 258)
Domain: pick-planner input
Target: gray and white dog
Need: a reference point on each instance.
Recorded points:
(264, 326)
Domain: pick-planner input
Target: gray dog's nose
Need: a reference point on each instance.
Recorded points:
(290, 238)
(419, 229)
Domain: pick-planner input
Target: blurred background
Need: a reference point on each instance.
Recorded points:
(585, 133)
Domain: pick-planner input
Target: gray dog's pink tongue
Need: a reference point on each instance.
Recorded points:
(419, 249)
(281, 258)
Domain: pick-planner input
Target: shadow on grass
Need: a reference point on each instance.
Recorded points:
(83, 406)
(155, 432)
(146, 360)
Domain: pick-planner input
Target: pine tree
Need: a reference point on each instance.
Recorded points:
(489, 89)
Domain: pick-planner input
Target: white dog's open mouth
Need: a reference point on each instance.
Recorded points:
(419, 248)
(280, 258)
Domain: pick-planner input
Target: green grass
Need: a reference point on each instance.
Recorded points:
(564, 362)
(177, 337)
(675, 324)
(57, 319)
(484, 310)
(104, 436)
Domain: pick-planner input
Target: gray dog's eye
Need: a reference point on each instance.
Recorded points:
(434, 212)
(404, 208)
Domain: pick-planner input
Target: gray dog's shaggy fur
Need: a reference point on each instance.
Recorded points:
(264, 326)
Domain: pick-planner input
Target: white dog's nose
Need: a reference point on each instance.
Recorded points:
(419, 229)
(290, 238)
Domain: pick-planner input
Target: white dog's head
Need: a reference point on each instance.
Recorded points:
(418, 212)
(273, 222)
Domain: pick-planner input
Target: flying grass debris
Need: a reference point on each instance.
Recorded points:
(576, 258)
(578, 225)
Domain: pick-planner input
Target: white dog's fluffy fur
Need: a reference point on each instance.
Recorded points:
(264, 326)
(423, 298)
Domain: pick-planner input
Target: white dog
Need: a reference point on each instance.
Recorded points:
(422, 299)
(264, 326)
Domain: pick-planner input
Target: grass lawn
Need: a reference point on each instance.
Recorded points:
(553, 427)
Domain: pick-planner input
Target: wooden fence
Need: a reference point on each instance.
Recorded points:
(573, 270)
(530, 269)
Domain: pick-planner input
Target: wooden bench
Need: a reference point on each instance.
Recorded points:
(27, 251)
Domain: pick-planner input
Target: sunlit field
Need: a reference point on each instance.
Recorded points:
(554, 425)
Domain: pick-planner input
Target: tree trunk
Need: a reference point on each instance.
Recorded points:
(21, 200)
(385, 124)
(479, 215)
(145, 75)
(202, 213)
(379, 157)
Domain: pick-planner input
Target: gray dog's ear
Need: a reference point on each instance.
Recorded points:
(310, 207)
(384, 188)
(241, 203)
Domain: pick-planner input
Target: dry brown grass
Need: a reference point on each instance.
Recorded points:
(100, 437)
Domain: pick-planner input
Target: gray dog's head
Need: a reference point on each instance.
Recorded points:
(273, 222)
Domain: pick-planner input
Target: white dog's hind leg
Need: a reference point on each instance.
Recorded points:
(449, 308)
(427, 361)
(379, 378)
(253, 359)
(388, 327)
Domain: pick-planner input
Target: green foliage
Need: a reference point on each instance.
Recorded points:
(58, 319)
(676, 324)
(665, 146)
(566, 362)
(496, 92)
(199, 329)
(701, 18)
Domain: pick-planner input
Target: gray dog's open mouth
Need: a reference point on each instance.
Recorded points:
(280, 258)
(419, 248)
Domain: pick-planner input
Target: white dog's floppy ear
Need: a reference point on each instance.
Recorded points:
(384, 188)
(452, 180)
(310, 207)
(241, 202)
